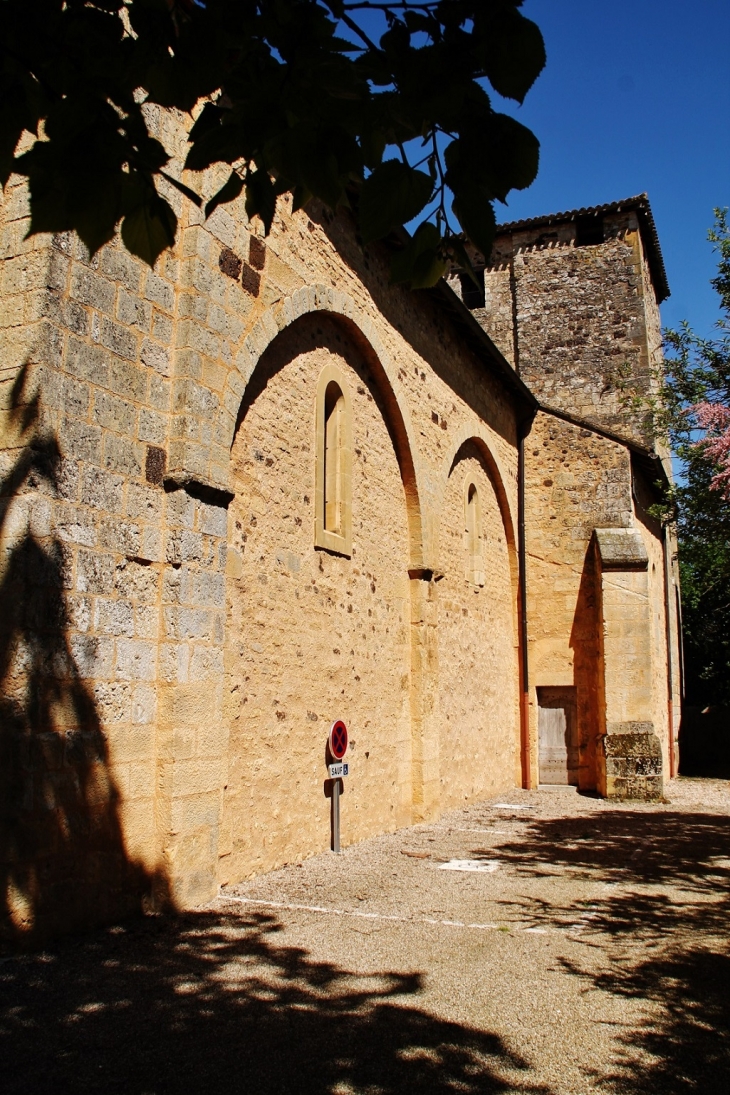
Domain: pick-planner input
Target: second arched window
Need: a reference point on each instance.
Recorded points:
(473, 534)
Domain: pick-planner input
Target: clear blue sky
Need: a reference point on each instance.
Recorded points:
(636, 97)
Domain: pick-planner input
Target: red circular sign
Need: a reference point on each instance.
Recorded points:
(338, 739)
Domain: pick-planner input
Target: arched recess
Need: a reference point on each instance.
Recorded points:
(313, 632)
(326, 300)
(479, 634)
(468, 435)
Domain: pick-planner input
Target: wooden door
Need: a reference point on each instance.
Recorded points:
(558, 736)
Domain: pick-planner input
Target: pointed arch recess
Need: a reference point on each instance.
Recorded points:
(497, 478)
(496, 474)
(320, 298)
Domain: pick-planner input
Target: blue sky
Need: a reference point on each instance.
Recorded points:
(636, 97)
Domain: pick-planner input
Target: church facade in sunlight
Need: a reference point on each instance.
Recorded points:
(259, 488)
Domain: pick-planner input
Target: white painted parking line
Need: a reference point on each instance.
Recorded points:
(487, 832)
(484, 865)
(291, 907)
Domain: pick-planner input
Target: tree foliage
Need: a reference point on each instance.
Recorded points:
(696, 409)
(317, 98)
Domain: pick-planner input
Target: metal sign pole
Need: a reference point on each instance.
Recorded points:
(336, 816)
(337, 743)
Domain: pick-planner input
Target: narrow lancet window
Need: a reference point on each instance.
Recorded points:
(334, 410)
(333, 518)
(475, 560)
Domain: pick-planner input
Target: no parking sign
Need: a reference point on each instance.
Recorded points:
(337, 743)
(338, 740)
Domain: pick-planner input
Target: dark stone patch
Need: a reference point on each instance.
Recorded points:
(256, 253)
(230, 263)
(250, 280)
(155, 465)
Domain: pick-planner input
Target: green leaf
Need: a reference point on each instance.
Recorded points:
(500, 155)
(393, 195)
(475, 214)
(372, 145)
(517, 149)
(462, 257)
(209, 118)
(300, 198)
(428, 269)
(230, 190)
(513, 52)
(149, 229)
(321, 174)
(261, 198)
(420, 263)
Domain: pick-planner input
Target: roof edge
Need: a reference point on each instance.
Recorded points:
(476, 337)
(480, 343)
(647, 226)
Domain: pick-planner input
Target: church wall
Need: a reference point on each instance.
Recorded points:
(575, 481)
(653, 538)
(480, 731)
(117, 442)
(312, 635)
(497, 315)
(585, 336)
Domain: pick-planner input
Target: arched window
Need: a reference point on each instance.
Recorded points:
(473, 536)
(333, 474)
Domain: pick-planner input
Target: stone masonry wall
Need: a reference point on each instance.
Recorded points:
(575, 480)
(654, 542)
(580, 323)
(582, 326)
(588, 333)
(313, 636)
(478, 638)
(121, 391)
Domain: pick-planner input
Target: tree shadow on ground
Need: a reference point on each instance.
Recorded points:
(658, 929)
(63, 861)
(211, 1001)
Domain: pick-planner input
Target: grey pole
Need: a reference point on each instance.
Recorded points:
(336, 816)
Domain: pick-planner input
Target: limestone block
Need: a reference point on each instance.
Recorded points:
(630, 765)
(119, 339)
(621, 549)
(90, 288)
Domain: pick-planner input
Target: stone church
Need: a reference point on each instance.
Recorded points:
(259, 488)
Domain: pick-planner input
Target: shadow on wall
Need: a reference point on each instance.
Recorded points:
(210, 1002)
(63, 863)
(704, 742)
(655, 926)
(585, 644)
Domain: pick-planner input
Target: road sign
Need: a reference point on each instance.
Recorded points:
(337, 771)
(338, 740)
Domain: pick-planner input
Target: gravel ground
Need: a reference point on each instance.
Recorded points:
(541, 942)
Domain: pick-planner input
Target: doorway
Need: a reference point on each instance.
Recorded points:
(557, 729)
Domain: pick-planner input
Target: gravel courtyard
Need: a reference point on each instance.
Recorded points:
(542, 942)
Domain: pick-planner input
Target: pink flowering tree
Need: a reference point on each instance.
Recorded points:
(714, 418)
(697, 383)
(696, 409)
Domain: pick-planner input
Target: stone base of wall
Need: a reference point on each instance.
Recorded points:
(629, 761)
